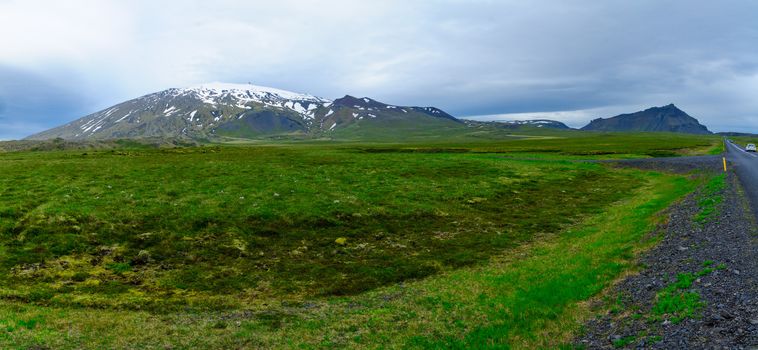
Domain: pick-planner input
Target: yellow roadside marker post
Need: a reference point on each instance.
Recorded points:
(724, 158)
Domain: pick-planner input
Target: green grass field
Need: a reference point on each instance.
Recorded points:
(315, 244)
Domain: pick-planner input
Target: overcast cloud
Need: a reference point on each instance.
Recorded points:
(566, 60)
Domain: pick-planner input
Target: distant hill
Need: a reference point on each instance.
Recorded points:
(667, 118)
(241, 110)
(522, 125)
(539, 123)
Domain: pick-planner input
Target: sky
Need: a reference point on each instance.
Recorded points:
(569, 60)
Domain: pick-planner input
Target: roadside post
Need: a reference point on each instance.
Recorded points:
(723, 158)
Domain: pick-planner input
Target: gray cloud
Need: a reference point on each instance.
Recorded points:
(467, 57)
(32, 100)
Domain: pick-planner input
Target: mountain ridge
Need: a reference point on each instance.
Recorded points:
(540, 123)
(213, 110)
(668, 118)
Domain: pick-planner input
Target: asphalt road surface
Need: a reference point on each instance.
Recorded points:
(746, 166)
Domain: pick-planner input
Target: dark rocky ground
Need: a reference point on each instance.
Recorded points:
(728, 318)
(681, 165)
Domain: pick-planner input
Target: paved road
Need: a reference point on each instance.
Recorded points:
(746, 166)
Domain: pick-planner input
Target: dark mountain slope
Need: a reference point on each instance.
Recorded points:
(667, 118)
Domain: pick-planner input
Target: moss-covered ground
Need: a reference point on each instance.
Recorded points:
(320, 245)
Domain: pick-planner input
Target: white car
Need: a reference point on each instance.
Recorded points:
(750, 147)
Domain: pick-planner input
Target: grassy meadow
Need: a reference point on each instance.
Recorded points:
(476, 242)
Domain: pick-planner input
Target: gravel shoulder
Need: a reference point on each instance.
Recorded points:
(727, 316)
(679, 165)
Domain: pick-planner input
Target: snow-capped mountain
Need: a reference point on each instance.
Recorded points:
(241, 110)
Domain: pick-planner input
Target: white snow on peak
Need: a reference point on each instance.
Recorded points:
(299, 108)
(110, 111)
(124, 117)
(169, 111)
(254, 91)
(239, 95)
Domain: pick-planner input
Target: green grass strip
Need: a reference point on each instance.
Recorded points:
(579, 265)
(676, 301)
(711, 198)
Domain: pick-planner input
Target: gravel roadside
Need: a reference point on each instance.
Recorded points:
(725, 247)
(680, 165)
